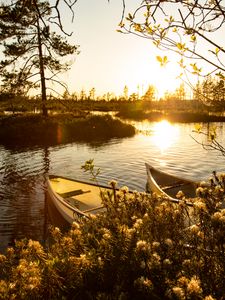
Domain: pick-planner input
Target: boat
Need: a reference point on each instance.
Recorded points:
(167, 185)
(75, 199)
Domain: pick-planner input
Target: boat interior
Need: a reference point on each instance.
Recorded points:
(83, 196)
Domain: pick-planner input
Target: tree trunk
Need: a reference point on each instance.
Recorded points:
(42, 74)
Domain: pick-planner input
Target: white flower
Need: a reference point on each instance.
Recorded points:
(194, 229)
(124, 189)
(141, 245)
(169, 242)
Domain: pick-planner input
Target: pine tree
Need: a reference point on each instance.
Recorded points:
(32, 50)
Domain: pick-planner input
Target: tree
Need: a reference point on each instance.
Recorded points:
(180, 92)
(197, 92)
(207, 89)
(33, 50)
(125, 92)
(185, 27)
(92, 94)
(219, 94)
(83, 95)
(150, 93)
(133, 97)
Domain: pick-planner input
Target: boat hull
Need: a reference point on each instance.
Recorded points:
(68, 212)
(75, 199)
(167, 185)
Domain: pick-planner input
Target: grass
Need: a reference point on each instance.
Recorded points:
(62, 128)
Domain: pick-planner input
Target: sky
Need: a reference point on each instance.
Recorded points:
(109, 60)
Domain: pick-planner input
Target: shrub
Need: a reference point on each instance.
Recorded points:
(141, 247)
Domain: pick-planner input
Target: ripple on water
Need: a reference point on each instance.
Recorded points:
(22, 193)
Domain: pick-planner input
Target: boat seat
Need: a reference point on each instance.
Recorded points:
(77, 204)
(172, 186)
(93, 209)
(73, 193)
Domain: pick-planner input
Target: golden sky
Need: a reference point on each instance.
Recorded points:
(110, 60)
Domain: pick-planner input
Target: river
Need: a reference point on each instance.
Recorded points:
(170, 147)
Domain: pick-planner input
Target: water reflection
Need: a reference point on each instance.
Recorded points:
(22, 207)
(166, 146)
(164, 134)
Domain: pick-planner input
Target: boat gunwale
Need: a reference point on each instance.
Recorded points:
(161, 191)
(62, 200)
(52, 176)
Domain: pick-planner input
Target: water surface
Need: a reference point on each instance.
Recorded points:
(171, 148)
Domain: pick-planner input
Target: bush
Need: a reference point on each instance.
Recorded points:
(32, 130)
(141, 247)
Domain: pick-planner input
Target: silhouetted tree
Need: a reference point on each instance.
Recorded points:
(150, 93)
(180, 92)
(33, 51)
(125, 92)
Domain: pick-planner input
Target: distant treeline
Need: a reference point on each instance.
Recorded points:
(27, 104)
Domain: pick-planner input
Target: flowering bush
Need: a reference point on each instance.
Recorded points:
(141, 247)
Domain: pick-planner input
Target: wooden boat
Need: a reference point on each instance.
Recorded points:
(167, 185)
(74, 199)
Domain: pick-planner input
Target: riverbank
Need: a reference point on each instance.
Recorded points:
(173, 117)
(35, 129)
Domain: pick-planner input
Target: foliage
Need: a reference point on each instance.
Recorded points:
(184, 27)
(212, 92)
(191, 29)
(210, 141)
(150, 93)
(90, 167)
(32, 130)
(33, 50)
(141, 247)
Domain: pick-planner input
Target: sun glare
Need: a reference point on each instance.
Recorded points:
(164, 135)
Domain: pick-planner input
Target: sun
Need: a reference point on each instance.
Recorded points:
(164, 79)
(164, 135)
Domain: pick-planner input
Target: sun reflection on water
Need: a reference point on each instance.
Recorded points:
(164, 134)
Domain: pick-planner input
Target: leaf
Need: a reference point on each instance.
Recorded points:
(221, 75)
(198, 127)
(181, 46)
(137, 27)
(130, 17)
(196, 70)
(217, 50)
(180, 76)
(193, 38)
(165, 59)
(181, 63)
(121, 24)
(157, 43)
(162, 60)
(159, 58)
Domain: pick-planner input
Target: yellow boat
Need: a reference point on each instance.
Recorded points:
(75, 199)
(167, 185)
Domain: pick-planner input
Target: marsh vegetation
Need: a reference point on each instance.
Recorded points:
(142, 247)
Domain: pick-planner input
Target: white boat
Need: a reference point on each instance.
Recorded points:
(167, 185)
(75, 199)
